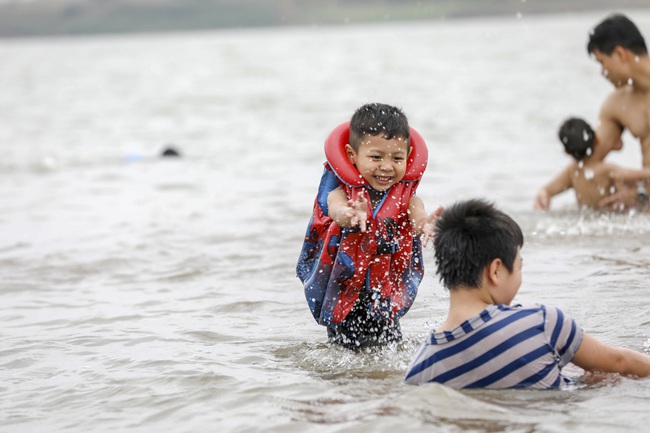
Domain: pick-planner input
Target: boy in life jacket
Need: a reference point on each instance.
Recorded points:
(361, 261)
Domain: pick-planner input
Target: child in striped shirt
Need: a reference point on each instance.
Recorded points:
(485, 343)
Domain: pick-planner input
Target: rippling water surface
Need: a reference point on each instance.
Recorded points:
(149, 294)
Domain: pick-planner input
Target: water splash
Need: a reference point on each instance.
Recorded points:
(588, 223)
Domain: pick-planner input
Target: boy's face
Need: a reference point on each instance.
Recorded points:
(381, 162)
(510, 282)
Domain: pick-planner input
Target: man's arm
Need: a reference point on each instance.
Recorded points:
(630, 191)
(594, 355)
(608, 128)
(620, 174)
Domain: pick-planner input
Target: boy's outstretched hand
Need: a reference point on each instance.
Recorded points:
(428, 228)
(357, 212)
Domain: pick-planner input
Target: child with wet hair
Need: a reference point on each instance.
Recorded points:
(591, 178)
(485, 342)
(361, 262)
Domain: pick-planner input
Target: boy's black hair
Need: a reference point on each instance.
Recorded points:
(613, 31)
(577, 137)
(378, 119)
(469, 236)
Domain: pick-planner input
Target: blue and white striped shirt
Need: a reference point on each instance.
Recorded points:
(502, 347)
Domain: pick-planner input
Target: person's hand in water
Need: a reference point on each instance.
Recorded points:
(542, 200)
(624, 198)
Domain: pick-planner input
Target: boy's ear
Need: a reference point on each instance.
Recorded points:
(495, 268)
(351, 154)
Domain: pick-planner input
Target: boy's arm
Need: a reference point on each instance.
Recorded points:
(594, 355)
(347, 213)
(560, 183)
(422, 223)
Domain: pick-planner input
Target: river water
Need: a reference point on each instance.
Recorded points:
(148, 294)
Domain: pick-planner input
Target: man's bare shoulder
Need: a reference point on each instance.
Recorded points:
(617, 98)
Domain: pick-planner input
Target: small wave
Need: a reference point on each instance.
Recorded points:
(241, 307)
(332, 362)
(589, 224)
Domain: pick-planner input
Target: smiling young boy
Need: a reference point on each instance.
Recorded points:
(486, 343)
(361, 262)
(381, 161)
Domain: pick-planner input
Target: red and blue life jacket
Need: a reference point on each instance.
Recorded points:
(336, 264)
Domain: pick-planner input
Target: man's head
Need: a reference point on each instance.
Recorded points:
(470, 237)
(616, 30)
(577, 137)
(379, 144)
(617, 45)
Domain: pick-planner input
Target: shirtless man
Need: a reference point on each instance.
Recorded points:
(619, 47)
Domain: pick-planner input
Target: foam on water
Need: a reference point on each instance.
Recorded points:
(568, 226)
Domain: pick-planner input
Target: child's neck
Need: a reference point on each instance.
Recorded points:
(464, 302)
(588, 161)
(375, 197)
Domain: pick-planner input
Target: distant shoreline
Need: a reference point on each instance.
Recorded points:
(82, 17)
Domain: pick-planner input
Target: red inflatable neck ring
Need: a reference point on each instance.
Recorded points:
(348, 173)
